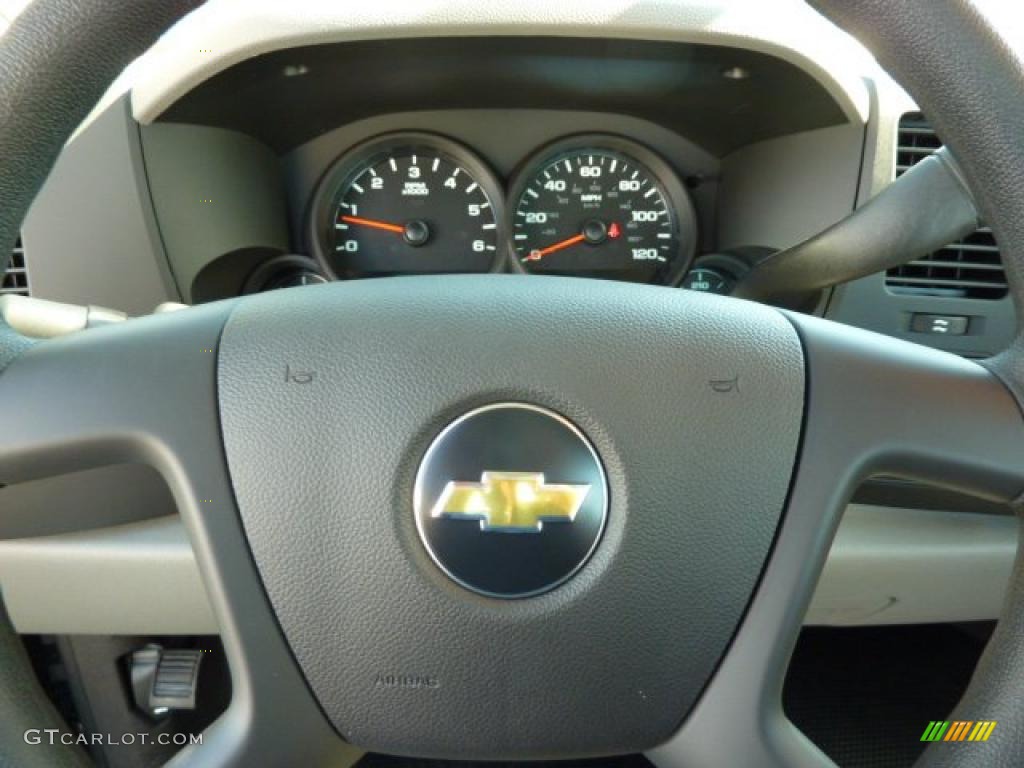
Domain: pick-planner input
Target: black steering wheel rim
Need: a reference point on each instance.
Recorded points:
(970, 98)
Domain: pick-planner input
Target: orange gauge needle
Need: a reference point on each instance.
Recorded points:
(540, 254)
(373, 223)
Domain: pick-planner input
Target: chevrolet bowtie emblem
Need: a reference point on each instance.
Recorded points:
(510, 502)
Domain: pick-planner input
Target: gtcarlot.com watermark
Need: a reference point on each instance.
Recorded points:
(53, 736)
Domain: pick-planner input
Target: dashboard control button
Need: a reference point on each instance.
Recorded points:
(944, 325)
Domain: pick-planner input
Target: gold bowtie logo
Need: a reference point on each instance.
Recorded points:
(511, 502)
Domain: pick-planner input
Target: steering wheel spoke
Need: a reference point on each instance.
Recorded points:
(145, 392)
(875, 406)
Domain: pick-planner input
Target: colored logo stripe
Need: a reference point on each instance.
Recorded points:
(982, 730)
(958, 730)
(934, 731)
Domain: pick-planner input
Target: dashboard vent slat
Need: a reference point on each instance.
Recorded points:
(16, 278)
(971, 268)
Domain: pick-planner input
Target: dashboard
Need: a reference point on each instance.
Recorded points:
(757, 126)
(747, 130)
(592, 157)
(671, 145)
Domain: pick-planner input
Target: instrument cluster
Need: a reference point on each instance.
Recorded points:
(591, 205)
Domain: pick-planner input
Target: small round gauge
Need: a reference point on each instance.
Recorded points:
(720, 272)
(709, 280)
(408, 203)
(296, 280)
(601, 206)
(290, 270)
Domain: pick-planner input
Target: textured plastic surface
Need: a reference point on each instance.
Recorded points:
(330, 395)
(797, 36)
(53, 73)
(135, 579)
(778, 193)
(145, 391)
(214, 192)
(970, 83)
(889, 565)
(47, 38)
(926, 208)
(868, 303)
(886, 566)
(858, 383)
(512, 72)
(90, 236)
(870, 410)
(103, 497)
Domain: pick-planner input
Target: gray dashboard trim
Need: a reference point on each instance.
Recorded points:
(867, 303)
(801, 37)
(890, 565)
(101, 497)
(779, 192)
(135, 579)
(90, 236)
(214, 192)
(886, 566)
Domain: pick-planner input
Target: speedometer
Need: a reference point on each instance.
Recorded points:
(602, 207)
(408, 203)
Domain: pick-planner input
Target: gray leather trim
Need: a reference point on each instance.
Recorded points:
(971, 85)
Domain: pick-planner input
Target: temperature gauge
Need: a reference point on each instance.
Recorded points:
(709, 280)
(719, 273)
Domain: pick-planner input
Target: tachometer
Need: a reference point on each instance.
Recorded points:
(408, 203)
(602, 207)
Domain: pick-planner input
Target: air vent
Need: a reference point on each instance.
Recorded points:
(970, 268)
(16, 278)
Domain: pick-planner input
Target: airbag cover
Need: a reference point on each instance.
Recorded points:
(330, 397)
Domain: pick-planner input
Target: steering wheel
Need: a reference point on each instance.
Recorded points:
(327, 447)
